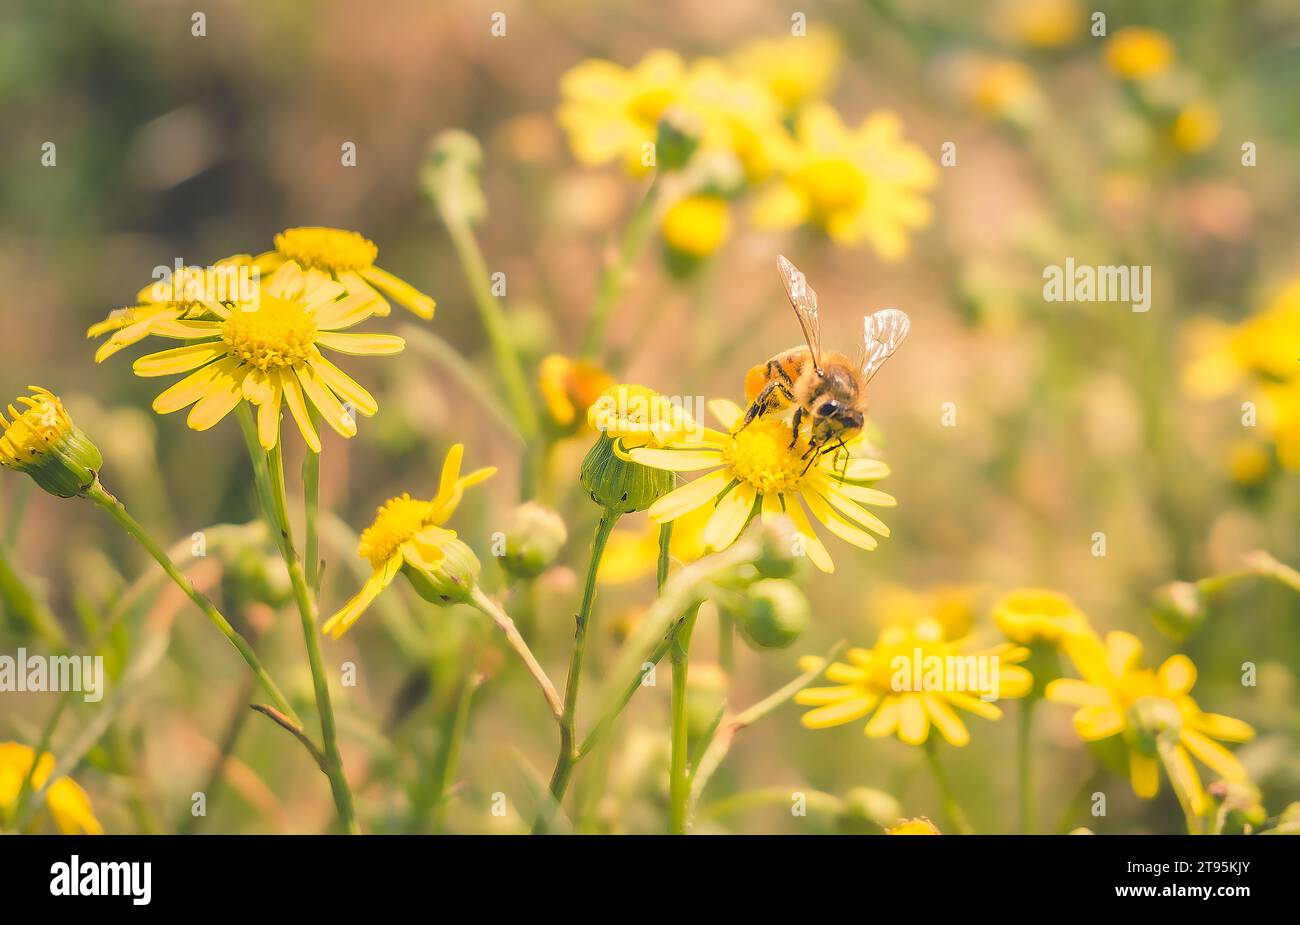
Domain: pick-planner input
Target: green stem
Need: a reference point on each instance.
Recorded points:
(568, 755)
(307, 611)
(99, 495)
(508, 629)
(665, 555)
(611, 278)
(679, 784)
(504, 354)
(1023, 760)
(311, 514)
(950, 806)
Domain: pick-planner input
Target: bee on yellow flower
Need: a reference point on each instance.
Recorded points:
(268, 351)
(858, 185)
(67, 803)
(764, 470)
(1152, 711)
(880, 682)
(349, 259)
(407, 536)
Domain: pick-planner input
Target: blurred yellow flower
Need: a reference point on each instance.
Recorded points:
(879, 682)
(267, 351)
(1136, 53)
(633, 553)
(1248, 462)
(183, 294)
(858, 185)
(612, 113)
(1037, 615)
(1261, 352)
(796, 69)
(568, 388)
(636, 416)
(760, 470)
(1003, 88)
(1153, 712)
(1041, 23)
(918, 826)
(349, 259)
(1196, 126)
(697, 225)
(68, 804)
(407, 536)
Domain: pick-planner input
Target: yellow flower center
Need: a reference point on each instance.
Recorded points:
(280, 332)
(833, 185)
(331, 249)
(397, 521)
(762, 456)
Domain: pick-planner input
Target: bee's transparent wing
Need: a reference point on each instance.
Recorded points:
(804, 302)
(883, 332)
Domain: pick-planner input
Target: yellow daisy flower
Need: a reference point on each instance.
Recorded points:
(407, 536)
(184, 294)
(870, 685)
(1137, 53)
(758, 471)
(1037, 615)
(349, 259)
(796, 69)
(42, 441)
(68, 804)
(1116, 697)
(953, 606)
(858, 185)
(268, 352)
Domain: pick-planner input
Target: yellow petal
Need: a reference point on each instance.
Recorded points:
(1144, 774)
(728, 413)
(1093, 723)
(361, 345)
(1213, 755)
(339, 624)
(178, 359)
(675, 460)
(344, 385)
(885, 721)
(268, 416)
(820, 696)
(836, 524)
(330, 408)
(1223, 727)
(1178, 673)
(297, 403)
(836, 714)
(1076, 693)
(192, 387)
(981, 708)
(812, 543)
(688, 497)
(913, 721)
(353, 309)
(948, 722)
(1123, 651)
(1186, 782)
(223, 394)
(729, 517)
(401, 291)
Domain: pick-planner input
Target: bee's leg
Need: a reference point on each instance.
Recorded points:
(812, 456)
(794, 427)
(759, 406)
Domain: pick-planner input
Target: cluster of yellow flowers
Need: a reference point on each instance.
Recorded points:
(1149, 712)
(755, 122)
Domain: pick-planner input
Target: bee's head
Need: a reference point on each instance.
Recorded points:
(833, 420)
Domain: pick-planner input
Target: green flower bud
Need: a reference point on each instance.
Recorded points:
(534, 538)
(866, 811)
(451, 579)
(772, 613)
(620, 485)
(42, 441)
(1179, 609)
(778, 540)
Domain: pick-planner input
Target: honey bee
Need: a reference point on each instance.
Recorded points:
(830, 389)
